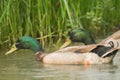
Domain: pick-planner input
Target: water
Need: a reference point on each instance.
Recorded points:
(22, 66)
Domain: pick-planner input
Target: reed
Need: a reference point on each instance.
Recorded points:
(50, 20)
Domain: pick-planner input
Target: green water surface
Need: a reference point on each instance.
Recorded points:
(22, 66)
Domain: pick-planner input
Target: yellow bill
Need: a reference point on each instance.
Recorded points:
(11, 50)
(68, 41)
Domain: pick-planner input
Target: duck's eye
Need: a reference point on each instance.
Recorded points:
(18, 44)
(69, 33)
(18, 39)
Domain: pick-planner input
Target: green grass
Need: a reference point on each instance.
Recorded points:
(50, 20)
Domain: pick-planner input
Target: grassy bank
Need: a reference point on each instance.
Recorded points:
(50, 20)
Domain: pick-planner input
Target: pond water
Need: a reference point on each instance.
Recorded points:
(22, 66)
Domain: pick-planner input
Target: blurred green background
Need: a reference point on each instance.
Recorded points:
(50, 20)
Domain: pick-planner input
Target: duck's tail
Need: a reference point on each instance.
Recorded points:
(103, 51)
(110, 48)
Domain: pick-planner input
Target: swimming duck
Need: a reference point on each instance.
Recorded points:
(103, 52)
(79, 35)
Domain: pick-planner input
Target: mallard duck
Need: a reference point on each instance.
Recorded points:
(79, 35)
(103, 52)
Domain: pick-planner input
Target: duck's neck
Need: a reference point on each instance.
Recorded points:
(89, 41)
(39, 56)
(37, 48)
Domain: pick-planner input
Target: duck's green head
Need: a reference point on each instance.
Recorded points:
(79, 35)
(26, 42)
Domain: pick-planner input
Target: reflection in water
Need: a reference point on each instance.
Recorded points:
(23, 66)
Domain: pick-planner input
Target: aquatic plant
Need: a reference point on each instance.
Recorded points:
(50, 20)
